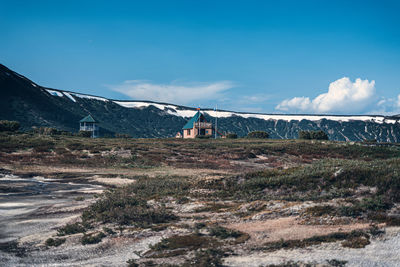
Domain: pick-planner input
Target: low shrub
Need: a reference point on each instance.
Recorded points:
(122, 135)
(9, 126)
(258, 134)
(350, 211)
(356, 242)
(47, 131)
(43, 147)
(132, 263)
(377, 203)
(109, 231)
(71, 229)
(382, 217)
(313, 135)
(200, 225)
(92, 239)
(124, 208)
(76, 146)
(84, 134)
(50, 242)
(224, 233)
(321, 210)
(231, 136)
(366, 205)
(191, 241)
(337, 263)
(206, 258)
(203, 136)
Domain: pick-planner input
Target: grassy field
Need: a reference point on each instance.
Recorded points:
(202, 194)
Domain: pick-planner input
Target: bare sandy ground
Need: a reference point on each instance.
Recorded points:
(383, 251)
(288, 228)
(132, 172)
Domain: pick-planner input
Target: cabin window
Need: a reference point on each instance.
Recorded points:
(188, 131)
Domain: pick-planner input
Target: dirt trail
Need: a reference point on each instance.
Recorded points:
(288, 228)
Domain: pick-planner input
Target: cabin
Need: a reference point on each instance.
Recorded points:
(178, 135)
(197, 126)
(88, 124)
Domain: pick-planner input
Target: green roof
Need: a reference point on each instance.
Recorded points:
(189, 124)
(88, 118)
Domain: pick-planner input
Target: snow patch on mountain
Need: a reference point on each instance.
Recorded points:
(178, 111)
(69, 96)
(54, 93)
(171, 109)
(90, 97)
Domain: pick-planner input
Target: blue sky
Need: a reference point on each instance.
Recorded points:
(258, 56)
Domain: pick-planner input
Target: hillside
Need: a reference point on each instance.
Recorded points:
(75, 201)
(34, 105)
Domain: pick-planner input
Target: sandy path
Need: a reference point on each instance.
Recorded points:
(383, 251)
(288, 228)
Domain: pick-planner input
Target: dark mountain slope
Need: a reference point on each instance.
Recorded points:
(25, 102)
(33, 105)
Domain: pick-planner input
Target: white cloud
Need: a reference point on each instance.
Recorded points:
(387, 106)
(258, 98)
(343, 96)
(173, 93)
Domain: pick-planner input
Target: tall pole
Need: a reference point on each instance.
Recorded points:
(198, 129)
(216, 121)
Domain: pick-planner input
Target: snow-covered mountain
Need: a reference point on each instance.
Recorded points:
(187, 112)
(33, 105)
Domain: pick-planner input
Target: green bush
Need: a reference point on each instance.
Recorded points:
(224, 233)
(122, 207)
(231, 136)
(203, 136)
(258, 134)
(206, 258)
(9, 126)
(132, 263)
(356, 242)
(321, 210)
(85, 134)
(122, 135)
(191, 241)
(313, 135)
(50, 242)
(305, 135)
(47, 131)
(71, 229)
(92, 239)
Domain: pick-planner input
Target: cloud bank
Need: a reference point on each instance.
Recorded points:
(343, 96)
(172, 93)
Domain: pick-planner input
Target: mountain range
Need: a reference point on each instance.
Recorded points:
(34, 105)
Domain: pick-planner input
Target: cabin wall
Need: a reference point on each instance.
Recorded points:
(194, 132)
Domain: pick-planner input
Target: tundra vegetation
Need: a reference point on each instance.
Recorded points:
(313, 135)
(258, 134)
(200, 199)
